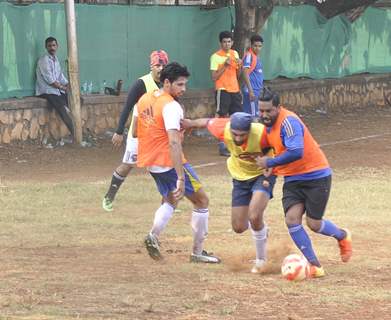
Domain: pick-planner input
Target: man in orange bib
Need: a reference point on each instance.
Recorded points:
(307, 179)
(158, 130)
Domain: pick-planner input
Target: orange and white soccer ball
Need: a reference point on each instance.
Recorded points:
(295, 267)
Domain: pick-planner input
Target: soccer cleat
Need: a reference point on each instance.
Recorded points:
(315, 272)
(345, 246)
(107, 204)
(259, 266)
(152, 245)
(204, 257)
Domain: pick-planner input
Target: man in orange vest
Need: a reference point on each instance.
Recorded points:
(158, 130)
(225, 66)
(307, 179)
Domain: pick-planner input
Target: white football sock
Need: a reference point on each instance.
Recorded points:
(260, 239)
(199, 225)
(162, 216)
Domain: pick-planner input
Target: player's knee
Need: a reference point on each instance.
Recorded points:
(313, 224)
(290, 220)
(203, 201)
(256, 222)
(124, 169)
(255, 216)
(239, 228)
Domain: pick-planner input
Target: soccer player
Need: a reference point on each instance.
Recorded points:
(307, 179)
(252, 188)
(225, 66)
(159, 133)
(147, 83)
(253, 76)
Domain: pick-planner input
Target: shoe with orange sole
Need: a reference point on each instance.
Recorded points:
(315, 272)
(345, 246)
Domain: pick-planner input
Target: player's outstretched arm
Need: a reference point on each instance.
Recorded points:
(196, 123)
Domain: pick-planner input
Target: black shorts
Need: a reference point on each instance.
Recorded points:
(228, 103)
(314, 194)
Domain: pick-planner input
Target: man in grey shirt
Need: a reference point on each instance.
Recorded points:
(51, 83)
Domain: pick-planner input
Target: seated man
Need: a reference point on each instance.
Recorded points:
(51, 83)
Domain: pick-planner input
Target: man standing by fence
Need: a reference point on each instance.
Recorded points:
(253, 76)
(225, 66)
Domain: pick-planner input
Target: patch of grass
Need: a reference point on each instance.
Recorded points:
(63, 257)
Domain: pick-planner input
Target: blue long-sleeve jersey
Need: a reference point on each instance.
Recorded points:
(292, 137)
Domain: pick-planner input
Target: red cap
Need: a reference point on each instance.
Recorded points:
(159, 57)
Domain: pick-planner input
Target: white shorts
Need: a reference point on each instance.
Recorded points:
(130, 155)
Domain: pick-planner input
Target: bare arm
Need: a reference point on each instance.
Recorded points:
(174, 139)
(196, 123)
(216, 74)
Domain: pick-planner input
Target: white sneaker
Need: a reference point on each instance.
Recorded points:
(258, 266)
(204, 257)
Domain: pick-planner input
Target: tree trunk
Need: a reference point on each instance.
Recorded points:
(249, 19)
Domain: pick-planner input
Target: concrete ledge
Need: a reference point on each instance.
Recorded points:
(30, 119)
(305, 83)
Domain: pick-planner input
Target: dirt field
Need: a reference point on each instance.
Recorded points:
(62, 257)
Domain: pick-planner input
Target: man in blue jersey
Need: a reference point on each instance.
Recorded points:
(307, 179)
(253, 76)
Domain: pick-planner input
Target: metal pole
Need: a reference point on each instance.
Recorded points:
(73, 69)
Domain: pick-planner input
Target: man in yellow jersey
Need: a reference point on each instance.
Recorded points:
(225, 67)
(158, 129)
(146, 83)
(252, 187)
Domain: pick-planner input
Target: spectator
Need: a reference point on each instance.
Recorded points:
(225, 66)
(51, 83)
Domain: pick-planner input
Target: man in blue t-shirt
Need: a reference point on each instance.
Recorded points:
(253, 76)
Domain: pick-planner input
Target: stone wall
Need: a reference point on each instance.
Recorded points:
(345, 94)
(29, 118)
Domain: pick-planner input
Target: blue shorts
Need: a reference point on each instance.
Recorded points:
(243, 190)
(166, 181)
(251, 107)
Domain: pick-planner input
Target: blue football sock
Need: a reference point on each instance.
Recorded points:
(330, 229)
(303, 242)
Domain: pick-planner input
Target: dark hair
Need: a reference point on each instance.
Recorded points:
(50, 39)
(225, 35)
(173, 71)
(268, 95)
(256, 38)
